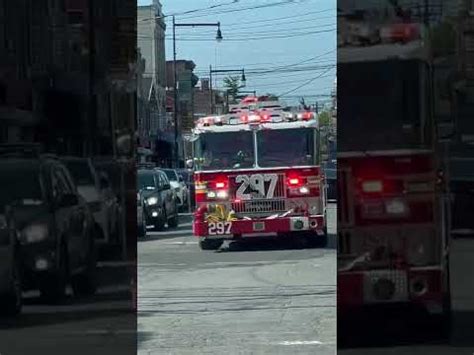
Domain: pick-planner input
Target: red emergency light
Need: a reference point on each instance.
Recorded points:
(401, 32)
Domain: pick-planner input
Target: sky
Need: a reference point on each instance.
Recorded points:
(286, 47)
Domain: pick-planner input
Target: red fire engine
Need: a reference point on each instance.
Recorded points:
(257, 173)
(392, 245)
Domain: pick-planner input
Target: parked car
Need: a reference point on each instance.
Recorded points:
(161, 204)
(179, 185)
(141, 219)
(97, 190)
(10, 281)
(54, 224)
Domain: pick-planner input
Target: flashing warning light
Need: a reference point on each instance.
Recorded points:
(265, 117)
(294, 181)
(220, 184)
(401, 32)
(307, 116)
(244, 118)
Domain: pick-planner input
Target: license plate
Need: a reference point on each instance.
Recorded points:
(258, 226)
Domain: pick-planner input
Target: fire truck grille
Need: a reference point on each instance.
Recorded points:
(259, 206)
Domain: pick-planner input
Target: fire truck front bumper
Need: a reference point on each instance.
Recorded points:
(421, 287)
(259, 227)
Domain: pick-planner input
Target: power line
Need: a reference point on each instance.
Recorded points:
(256, 7)
(283, 18)
(305, 83)
(301, 34)
(264, 33)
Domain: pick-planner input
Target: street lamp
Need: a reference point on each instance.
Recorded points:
(243, 79)
(175, 75)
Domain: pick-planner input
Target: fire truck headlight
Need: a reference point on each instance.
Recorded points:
(304, 190)
(211, 194)
(222, 194)
(397, 207)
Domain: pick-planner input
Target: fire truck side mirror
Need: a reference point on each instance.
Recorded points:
(190, 163)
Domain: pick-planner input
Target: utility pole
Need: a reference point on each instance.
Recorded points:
(175, 98)
(175, 88)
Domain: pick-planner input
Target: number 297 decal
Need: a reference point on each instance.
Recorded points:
(219, 228)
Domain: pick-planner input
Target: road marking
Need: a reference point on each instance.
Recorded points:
(301, 342)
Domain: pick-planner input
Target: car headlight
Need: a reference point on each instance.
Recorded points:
(35, 233)
(152, 201)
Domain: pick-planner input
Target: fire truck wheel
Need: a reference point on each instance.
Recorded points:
(210, 244)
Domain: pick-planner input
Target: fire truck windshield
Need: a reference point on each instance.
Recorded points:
(286, 147)
(385, 103)
(225, 150)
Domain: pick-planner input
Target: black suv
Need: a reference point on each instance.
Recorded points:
(54, 224)
(161, 204)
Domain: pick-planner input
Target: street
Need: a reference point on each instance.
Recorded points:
(258, 296)
(101, 324)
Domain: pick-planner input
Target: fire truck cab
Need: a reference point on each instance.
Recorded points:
(257, 173)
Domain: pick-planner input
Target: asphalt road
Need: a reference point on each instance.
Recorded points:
(102, 324)
(256, 297)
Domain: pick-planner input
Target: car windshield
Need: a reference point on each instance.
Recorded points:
(229, 150)
(80, 171)
(146, 181)
(171, 174)
(273, 152)
(20, 184)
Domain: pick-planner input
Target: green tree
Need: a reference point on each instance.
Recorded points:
(232, 85)
(324, 119)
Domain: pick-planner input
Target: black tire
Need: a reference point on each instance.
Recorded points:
(11, 302)
(210, 244)
(160, 221)
(173, 222)
(85, 283)
(53, 286)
